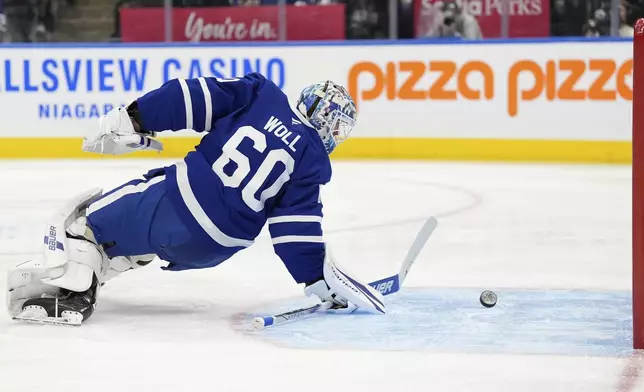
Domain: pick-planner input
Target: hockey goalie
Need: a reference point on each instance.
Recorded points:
(261, 160)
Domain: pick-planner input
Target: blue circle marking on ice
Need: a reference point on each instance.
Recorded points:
(557, 322)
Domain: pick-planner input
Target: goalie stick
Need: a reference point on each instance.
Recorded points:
(386, 286)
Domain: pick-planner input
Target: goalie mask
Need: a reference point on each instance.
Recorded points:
(330, 109)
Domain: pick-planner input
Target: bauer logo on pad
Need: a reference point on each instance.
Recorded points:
(51, 240)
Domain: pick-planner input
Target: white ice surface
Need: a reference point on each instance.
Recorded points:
(500, 226)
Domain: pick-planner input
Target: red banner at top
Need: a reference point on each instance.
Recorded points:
(528, 18)
(223, 24)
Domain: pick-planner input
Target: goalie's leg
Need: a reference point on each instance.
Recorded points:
(42, 291)
(62, 284)
(106, 234)
(141, 218)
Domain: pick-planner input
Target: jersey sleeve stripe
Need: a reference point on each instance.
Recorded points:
(297, 238)
(200, 215)
(208, 99)
(294, 218)
(188, 102)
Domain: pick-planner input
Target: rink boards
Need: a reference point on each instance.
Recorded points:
(539, 100)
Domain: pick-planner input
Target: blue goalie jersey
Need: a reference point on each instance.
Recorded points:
(260, 160)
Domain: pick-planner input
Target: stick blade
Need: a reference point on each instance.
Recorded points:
(387, 286)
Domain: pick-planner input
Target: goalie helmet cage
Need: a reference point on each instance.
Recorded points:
(638, 186)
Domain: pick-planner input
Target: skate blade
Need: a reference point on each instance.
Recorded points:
(49, 321)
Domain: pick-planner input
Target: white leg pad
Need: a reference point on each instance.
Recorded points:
(67, 263)
(57, 244)
(25, 282)
(33, 279)
(84, 260)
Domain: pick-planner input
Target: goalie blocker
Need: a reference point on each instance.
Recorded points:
(338, 290)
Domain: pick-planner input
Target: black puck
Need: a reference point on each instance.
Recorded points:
(488, 298)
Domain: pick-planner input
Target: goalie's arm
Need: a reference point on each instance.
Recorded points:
(295, 225)
(179, 104)
(296, 230)
(193, 103)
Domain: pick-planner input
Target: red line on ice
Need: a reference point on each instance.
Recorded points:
(631, 372)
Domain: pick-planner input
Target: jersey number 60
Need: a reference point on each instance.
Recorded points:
(231, 153)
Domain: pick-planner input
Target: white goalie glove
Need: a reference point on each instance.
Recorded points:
(341, 293)
(116, 135)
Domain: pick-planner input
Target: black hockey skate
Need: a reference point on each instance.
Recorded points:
(67, 308)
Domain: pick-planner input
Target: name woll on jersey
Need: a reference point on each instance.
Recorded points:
(259, 161)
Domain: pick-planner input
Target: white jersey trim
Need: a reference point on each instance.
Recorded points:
(298, 238)
(126, 190)
(294, 218)
(208, 99)
(200, 215)
(188, 102)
